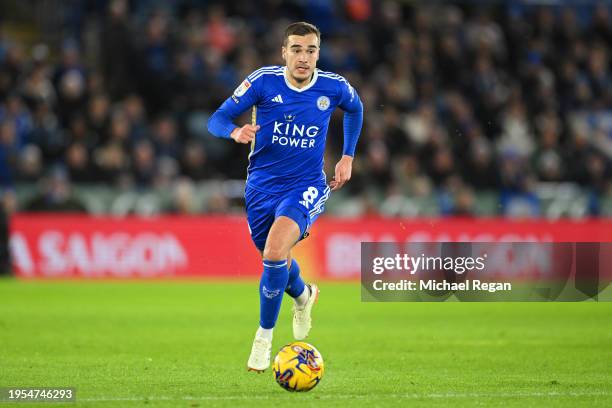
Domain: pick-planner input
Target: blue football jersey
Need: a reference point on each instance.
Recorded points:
(288, 148)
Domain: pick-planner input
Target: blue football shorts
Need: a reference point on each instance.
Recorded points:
(303, 205)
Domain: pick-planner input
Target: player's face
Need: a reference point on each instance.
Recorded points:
(301, 54)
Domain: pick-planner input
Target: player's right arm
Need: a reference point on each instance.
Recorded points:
(221, 123)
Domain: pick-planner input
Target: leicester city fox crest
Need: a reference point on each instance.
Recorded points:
(270, 293)
(323, 103)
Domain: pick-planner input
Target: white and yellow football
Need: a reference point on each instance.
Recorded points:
(298, 366)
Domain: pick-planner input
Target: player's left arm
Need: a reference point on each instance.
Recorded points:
(353, 120)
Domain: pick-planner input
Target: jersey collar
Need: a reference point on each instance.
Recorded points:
(315, 75)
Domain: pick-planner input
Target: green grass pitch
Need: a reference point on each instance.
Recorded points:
(185, 344)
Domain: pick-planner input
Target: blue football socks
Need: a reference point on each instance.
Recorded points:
(271, 288)
(295, 284)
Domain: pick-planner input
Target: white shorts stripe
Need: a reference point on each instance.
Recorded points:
(317, 208)
(323, 197)
(320, 210)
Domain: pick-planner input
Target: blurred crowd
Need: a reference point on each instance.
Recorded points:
(457, 98)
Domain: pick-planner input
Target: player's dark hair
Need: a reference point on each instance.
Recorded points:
(301, 28)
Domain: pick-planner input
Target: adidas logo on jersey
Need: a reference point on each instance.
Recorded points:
(278, 98)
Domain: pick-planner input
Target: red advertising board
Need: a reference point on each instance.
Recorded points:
(67, 246)
(70, 246)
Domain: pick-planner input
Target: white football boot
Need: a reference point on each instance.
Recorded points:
(259, 359)
(302, 321)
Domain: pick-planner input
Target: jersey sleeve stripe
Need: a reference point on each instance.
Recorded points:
(263, 71)
(273, 68)
(336, 77)
(266, 73)
(330, 74)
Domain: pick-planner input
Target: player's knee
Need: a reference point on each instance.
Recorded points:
(272, 253)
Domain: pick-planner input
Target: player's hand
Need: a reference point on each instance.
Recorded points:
(245, 134)
(343, 173)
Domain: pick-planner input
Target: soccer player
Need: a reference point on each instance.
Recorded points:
(286, 187)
